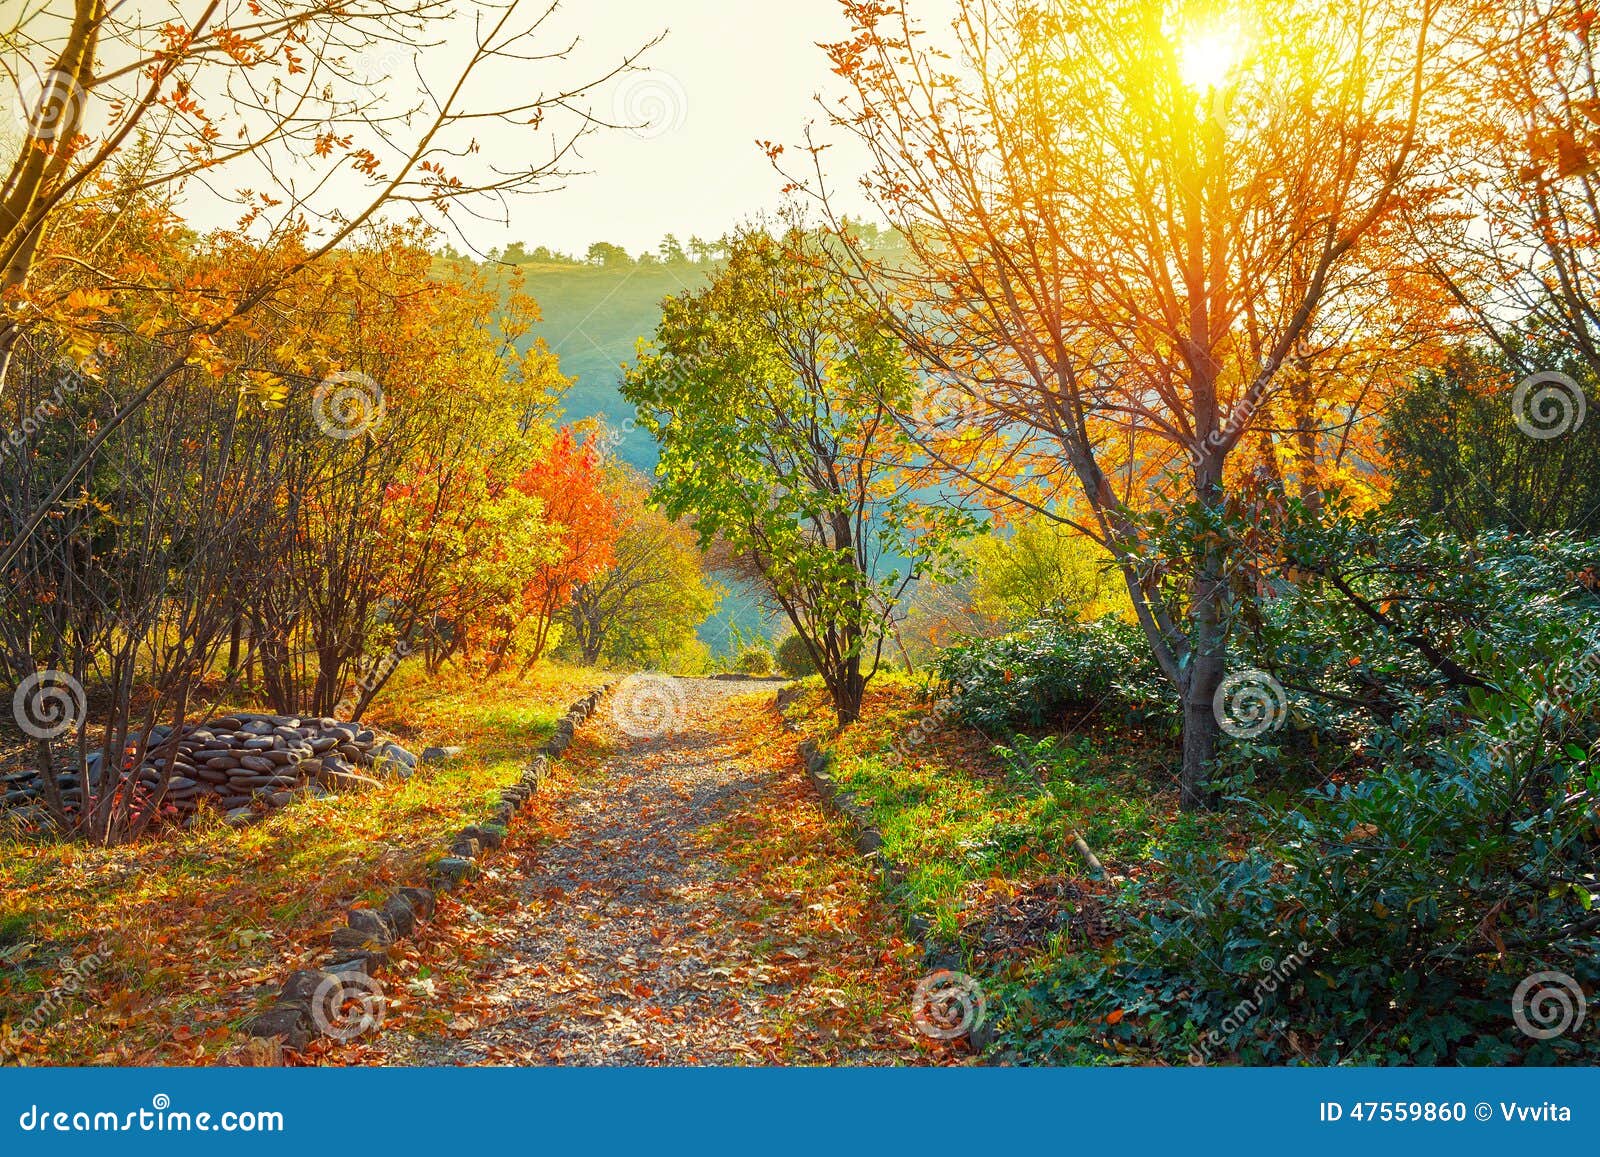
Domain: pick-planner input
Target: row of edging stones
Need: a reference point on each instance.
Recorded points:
(360, 949)
(868, 841)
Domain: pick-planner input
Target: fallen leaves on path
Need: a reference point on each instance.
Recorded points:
(686, 901)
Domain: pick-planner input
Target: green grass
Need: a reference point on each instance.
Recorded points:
(966, 817)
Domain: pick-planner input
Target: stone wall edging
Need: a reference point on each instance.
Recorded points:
(360, 950)
(868, 841)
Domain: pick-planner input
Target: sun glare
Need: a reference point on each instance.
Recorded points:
(1207, 58)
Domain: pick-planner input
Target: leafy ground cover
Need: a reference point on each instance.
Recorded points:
(152, 953)
(986, 831)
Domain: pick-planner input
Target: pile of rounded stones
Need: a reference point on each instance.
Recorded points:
(236, 761)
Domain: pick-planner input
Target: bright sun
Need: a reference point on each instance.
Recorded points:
(1207, 58)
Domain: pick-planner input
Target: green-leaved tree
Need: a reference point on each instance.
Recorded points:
(772, 392)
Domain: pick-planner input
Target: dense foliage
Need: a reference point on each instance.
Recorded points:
(1459, 449)
(1052, 671)
(1443, 699)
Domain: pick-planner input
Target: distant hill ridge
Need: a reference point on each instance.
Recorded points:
(593, 317)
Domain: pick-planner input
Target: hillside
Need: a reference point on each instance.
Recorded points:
(593, 318)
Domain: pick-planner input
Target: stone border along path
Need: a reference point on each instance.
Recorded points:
(360, 950)
(694, 905)
(937, 954)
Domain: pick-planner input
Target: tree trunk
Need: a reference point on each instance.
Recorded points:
(847, 688)
(1208, 638)
(1200, 730)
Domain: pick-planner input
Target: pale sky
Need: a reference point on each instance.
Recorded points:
(726, 74)
(729, 72)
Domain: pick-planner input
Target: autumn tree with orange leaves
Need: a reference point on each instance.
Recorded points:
(1130, 231)
(310, 119)
(570, 485)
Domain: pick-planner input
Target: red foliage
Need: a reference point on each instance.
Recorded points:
(570, 482)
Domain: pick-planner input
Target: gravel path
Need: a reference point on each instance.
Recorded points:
(695, 907)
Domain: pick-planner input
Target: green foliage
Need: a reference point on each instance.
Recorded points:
(1043, 569)
(772, 393)
(753, 660)
(1389, 920)
(794, 658)
(606, 254)
(1445, 855)
(1051, 669)
(1456, 451)
(643, 610)
(1392, 634)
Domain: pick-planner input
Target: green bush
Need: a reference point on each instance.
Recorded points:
(1389, 921)
(1456, 452)
(1048, 670)
(794, 659)
(753, 659)
(1389, 913)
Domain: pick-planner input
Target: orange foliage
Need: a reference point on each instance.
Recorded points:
(570, 485)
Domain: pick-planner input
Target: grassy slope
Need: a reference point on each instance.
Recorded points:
(987, 842)
(196, 926)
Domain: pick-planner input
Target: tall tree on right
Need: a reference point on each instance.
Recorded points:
(1127, 225)
(1526, 172)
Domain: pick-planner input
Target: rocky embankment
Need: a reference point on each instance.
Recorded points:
(240, 764)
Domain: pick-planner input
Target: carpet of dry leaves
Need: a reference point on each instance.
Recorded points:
(676, 900)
